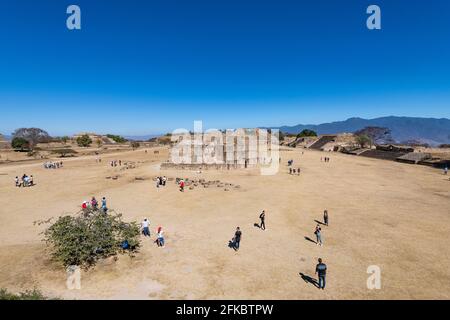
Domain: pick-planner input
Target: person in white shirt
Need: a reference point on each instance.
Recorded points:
(145, 227)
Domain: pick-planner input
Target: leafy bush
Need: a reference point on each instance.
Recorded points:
(84, 141)
(90, 235)
(27, 295)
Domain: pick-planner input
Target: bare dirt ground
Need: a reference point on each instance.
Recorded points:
(393, 215)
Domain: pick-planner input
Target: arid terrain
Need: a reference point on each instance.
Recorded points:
(392, 215)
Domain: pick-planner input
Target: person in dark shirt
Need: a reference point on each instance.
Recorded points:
(237, 238)
(262, 217)
(321, 270)
(325, 217)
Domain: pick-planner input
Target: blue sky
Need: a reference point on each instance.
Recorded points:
(142, 67)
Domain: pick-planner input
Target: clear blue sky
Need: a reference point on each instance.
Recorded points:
(140, 67)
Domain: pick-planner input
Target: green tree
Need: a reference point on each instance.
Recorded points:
(117, 138)
(64, 152)
(363, 140)
(19, 143)
(84, 141)
(307, 133)
(91, 235)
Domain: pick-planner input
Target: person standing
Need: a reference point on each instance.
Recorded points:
(325, 217)
(145, 227)
(262, 217)
(104, 208)
(318, 234)
(17, 181)
(237, 238)
(445, 170)
(321, 270)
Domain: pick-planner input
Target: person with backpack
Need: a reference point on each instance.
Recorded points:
(321, 270)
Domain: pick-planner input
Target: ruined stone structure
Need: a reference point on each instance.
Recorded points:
(242, 148)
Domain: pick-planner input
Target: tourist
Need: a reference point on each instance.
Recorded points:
(445, 170)
(145, 227)
(318, 233)
(321, 270)
(157, 182)
(290, 170)
(262, 217)
(298, 171)
(182, 185)
(237, 239)
(17, 181)
(31, 181)
(104, 208)
(164, 181)
(84, 205)
(293, 171)
(160, 238)
(94, 203)
(325, 217)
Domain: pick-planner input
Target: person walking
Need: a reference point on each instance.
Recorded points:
(321, 270)
(160, 240)
(145, 227)
(262, 217)
(318, 234)
(325, 217)
(237, 238)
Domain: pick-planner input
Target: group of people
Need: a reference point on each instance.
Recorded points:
(93, 205)
(145, 227)
(325, 159)
(114, 163)
(294, 171)
(161, 181)
(25, 181)
(53, 165)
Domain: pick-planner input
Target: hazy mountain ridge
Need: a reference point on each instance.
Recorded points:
(428, 130)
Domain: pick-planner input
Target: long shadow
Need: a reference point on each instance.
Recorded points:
(257, 225)
(320, 222)
(309, 239)
(308, 279)
(232, 245)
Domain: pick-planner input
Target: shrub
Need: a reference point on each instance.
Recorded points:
(88, 236)
(135, 144)
(27, 295)
(84, 141)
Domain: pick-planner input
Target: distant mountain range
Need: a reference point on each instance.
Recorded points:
(425, 130)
